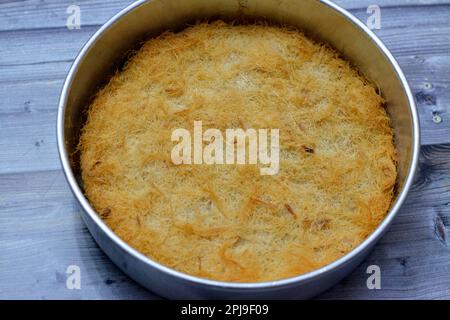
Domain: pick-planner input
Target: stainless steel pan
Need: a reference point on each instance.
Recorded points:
(106, 50)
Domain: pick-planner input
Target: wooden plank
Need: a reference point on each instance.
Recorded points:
(19, 49)
(401, 30)
(42, 234)
(28, 118)
(48, 235)
(28, 143)
(38, 14)
(34, 67)
(363, 4)
(35, 14)
(414, 256)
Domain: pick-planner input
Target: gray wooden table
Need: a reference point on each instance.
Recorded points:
(41, 233)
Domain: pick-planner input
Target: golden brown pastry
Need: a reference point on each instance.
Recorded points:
(229, 222)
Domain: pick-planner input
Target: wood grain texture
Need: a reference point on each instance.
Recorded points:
(52, 236)
(40, 229)
(37, 14)
(414, 256)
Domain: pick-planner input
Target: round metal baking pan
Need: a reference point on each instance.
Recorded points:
(323, 20)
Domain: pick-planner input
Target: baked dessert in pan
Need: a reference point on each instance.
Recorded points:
(337, 167)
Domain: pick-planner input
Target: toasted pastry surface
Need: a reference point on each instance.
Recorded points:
(228, 222)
